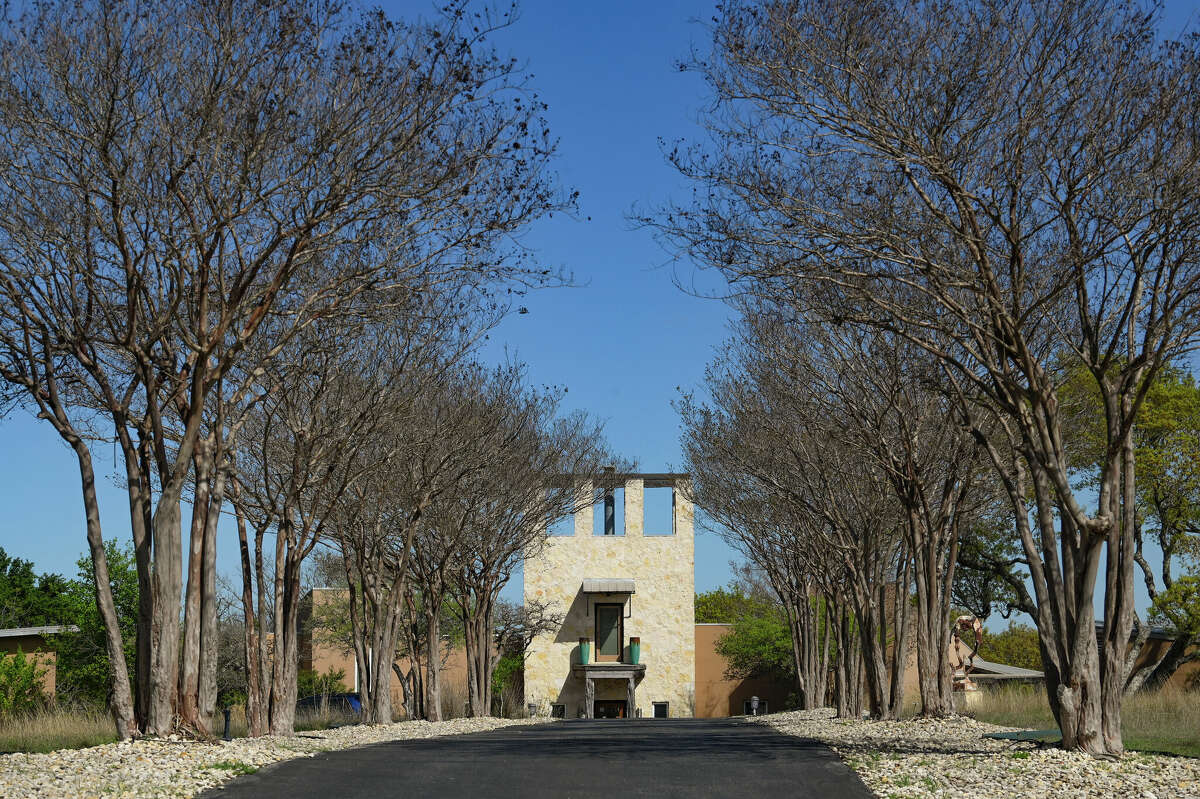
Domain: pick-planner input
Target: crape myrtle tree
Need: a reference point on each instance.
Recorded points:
(301, 454)
(807, 507)
(418, 454)
(884, 397)
(504, 512)
(177, 174)
(1012, 186)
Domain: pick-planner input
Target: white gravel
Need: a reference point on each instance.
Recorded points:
(176, 768)
(951, 758)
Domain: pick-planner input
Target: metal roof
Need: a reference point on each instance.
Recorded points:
(606, 585)
(18, 632)
(988, 670)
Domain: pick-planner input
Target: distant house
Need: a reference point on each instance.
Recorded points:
(32, 642)
(1187, 676)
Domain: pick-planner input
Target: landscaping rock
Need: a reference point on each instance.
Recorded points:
(951, 758)
(178, 768)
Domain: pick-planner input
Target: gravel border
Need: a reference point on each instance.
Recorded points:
(180, 768)
(950, 758)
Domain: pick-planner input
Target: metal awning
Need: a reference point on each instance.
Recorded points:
(600, 585)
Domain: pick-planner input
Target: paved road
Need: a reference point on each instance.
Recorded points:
(576, 758)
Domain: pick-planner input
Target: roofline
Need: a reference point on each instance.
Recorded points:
(651, 479)
(51, 629)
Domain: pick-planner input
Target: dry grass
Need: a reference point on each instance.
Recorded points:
(56, 728)
(1166, 721)
(64, 728)
(454, 699)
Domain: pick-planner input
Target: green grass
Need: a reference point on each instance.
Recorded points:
(51, 729)
(1167, 721)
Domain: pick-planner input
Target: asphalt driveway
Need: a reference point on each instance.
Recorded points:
(575, 758)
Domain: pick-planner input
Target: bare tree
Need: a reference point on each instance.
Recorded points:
(1011, 186)
(807, 506)
(516, 625)
(526, 483)
(179, 174)
(416, 457)
(885, 398)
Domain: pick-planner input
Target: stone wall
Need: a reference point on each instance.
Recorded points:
(660, 611)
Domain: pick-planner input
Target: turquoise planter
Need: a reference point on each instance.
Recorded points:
(585, 650)
(635, 650)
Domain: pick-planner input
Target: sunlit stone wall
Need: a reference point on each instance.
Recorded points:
(660, 612)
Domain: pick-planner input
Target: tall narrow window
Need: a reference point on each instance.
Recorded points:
(609, 635)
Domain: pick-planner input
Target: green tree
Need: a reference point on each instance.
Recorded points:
(83, 663)
(722, 605)
(759, 645)
(1016, 646)
(759, 641)
(28, 599)
(20, 684)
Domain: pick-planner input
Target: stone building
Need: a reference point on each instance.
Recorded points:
(627, 645)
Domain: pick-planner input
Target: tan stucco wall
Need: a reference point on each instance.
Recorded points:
(35, 649)
(717, 696)
(661, 611)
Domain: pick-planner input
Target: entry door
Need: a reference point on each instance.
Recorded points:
(609, 635)
(610, 709)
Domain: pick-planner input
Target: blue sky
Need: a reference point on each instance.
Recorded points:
(623, 342)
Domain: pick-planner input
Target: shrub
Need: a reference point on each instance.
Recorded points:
(310, 683)
(20, 684)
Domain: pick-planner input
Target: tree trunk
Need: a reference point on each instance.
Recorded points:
(189, 671)
(1062, 571)
(433, 678)
(121, 698)
(381, 651)
(287, 651)
(900, 644)
(168, 584)
(874, 666)
(256, 718)
(825, 619)
(846, 672)
(470, 644)
(209, 637)
(137, 487)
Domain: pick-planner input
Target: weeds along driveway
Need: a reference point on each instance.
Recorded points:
(575, 758)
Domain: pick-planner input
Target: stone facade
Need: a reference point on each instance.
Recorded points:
(660, 611)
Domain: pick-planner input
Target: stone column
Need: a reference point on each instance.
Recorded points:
(631, 699)
(635, 507)
(683, 513)
(589, 697)
(583, 517)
